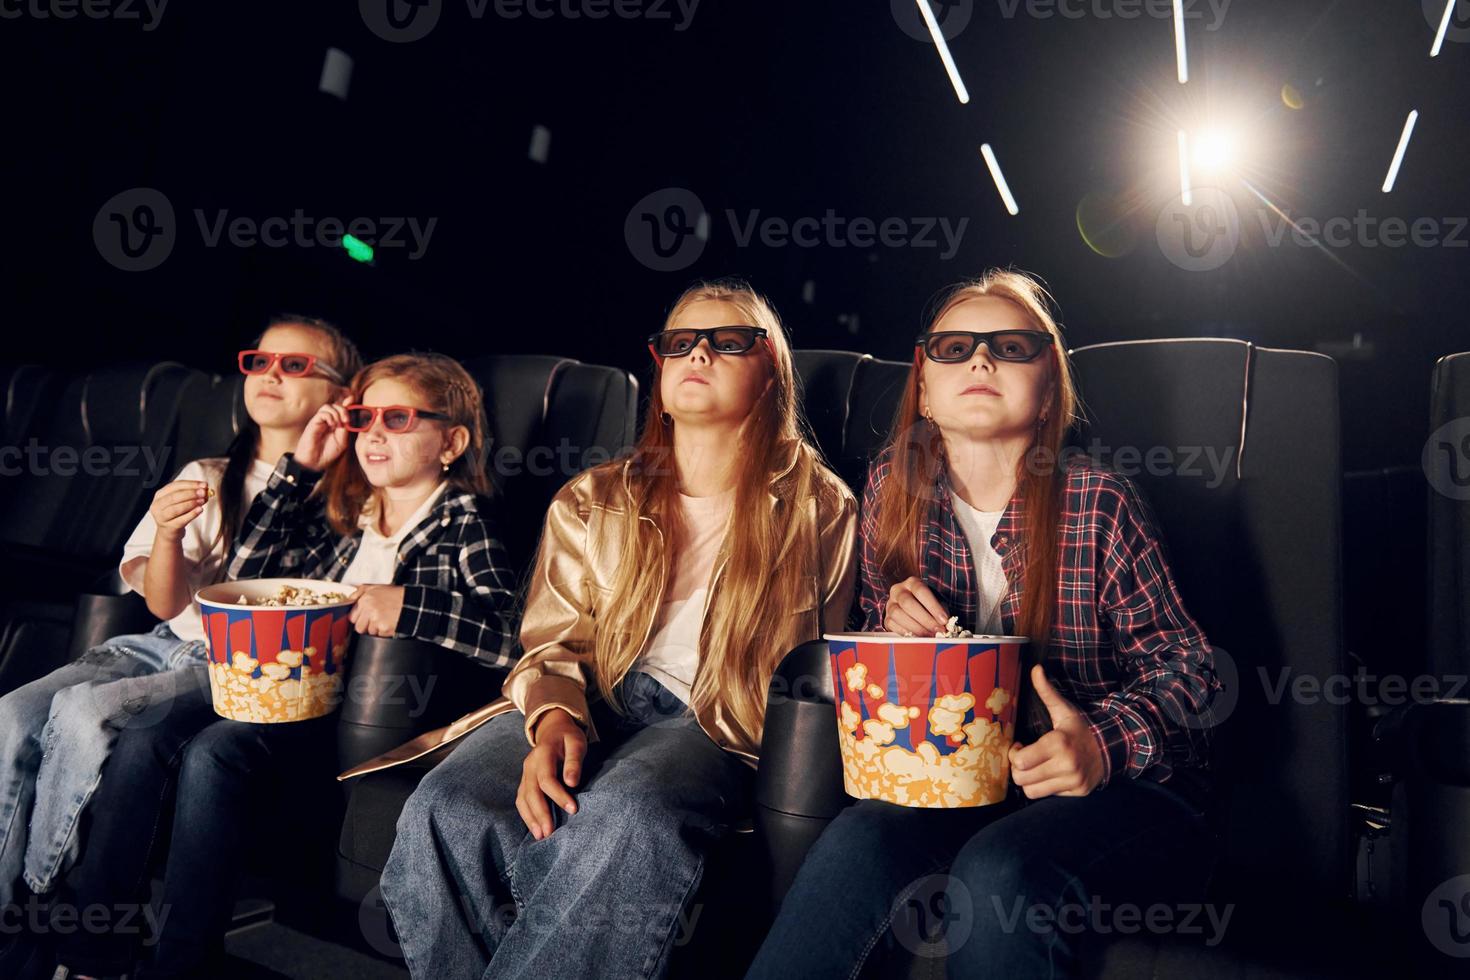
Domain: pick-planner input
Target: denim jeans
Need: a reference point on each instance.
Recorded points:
(1028, 886)
(473, 894)
(204, 786)
(55, 734)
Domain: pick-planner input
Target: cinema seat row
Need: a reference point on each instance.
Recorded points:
(1256, 545)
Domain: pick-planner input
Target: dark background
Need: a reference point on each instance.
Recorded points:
(785, 109)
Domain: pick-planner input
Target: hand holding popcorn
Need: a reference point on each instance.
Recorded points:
(1066, 761)
(178, 503)
(377, 609)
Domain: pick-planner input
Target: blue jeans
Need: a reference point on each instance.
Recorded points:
(55, 734)
(473, 894)
(1028, 887)
(217, 783)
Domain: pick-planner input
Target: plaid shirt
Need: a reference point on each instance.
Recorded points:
(1123, 648)
(458, 590)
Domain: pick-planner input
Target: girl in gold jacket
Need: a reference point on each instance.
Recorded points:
(567, 835)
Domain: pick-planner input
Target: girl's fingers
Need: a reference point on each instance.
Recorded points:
(897, 622)
(179, 495)
(179, 514)
(553, 788)
(929, 601)
(540, 812)
(914, 610)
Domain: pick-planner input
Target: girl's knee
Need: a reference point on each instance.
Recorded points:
(221, 746)
(75, 711)
(993, 873)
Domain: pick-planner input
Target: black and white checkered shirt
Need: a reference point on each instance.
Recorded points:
(458, 589)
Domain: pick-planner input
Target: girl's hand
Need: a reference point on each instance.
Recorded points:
(913, 610)
(325, 437)
(377, 609)
(1066, 761)
(176, 504)
(553, 765)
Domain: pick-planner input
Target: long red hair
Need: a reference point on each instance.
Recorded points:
(917, 450)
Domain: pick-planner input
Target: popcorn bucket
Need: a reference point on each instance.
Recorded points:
(926, 722)
(274, 663)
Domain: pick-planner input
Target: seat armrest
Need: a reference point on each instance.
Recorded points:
(1428, 740)
(397, 688)
(109, 609)
(799, 780)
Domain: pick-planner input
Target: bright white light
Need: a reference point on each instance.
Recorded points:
(1184, 192)
(999, 178)
(1398, 156)
(1179, 51)
(1214, 151)
(944, 55)
(1444, 26)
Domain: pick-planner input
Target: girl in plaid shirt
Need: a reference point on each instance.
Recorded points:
(1110, 800)
(386, 491)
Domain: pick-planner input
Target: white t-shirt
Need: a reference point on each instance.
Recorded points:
(202, 544)
(672, 654)
(376, 560)
(979, 527)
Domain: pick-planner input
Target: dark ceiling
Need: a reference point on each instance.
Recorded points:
(761, 114)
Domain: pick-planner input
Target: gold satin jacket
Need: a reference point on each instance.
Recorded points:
(577, 560)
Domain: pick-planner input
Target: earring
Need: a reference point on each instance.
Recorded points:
(1042, 420)
(665, 418)
(444, 468)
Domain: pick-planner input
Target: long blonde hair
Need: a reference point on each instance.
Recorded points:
(918, 453)
(765, 546)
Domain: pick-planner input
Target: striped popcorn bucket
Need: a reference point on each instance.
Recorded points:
(274, 663)
(926, 722)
